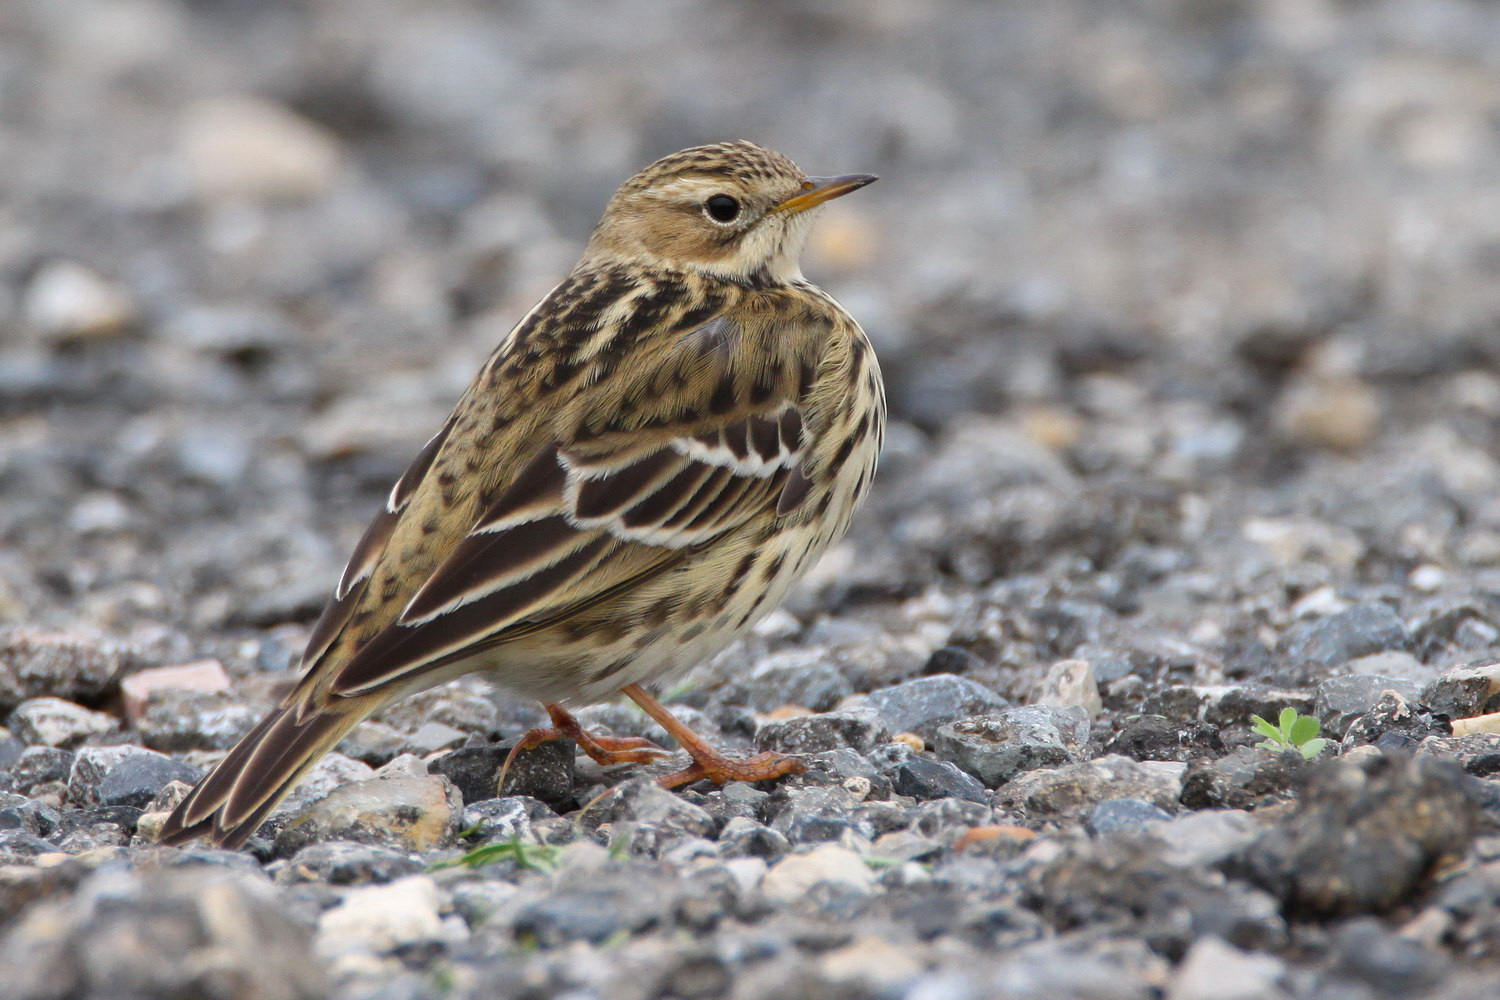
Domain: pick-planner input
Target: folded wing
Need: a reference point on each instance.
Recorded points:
(579, 525)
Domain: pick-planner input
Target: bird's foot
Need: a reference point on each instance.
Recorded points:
(718, 768)
(605, 750)
(708, 762)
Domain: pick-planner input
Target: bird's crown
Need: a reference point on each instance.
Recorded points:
(733, 210)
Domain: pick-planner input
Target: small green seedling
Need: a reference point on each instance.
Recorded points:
(538, 857)
(1291, 732)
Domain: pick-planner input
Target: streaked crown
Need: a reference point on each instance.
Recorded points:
(733, 210)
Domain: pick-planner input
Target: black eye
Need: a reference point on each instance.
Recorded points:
(722, 208)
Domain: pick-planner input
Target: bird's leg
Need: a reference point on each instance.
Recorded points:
(708, 762)
(604, 749)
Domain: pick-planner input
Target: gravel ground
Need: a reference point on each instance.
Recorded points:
(1189, 317)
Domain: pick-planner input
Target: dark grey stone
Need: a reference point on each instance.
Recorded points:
(815, 815)
(856, 730)
(17, 812)
(1466, 691)
(922, 704)
(1114, 815)
(1128, 879)
(1338, 701)
(170, 933)
(995, 747)
(339, 862)
(581, 915)
(1364, 837)
(38, 765)
(192, 720)
(10, 750)
(642, 800)
(503, 818)
(925, 778)
(1155, 737)
(545, 772)
(745, 838)
(124, 776)
(19, 846)
(803, 678)
(1395, 724)
(1244, 779)
(953, 660)
(1340, 637)
(35, 664)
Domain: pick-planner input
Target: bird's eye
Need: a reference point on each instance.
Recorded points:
(722, 208)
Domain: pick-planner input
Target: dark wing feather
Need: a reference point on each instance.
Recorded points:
(356, 575)
(573, 527)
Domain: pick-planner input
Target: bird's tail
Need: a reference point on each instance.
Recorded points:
(230, 803)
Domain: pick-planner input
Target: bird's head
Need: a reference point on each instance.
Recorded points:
(732, 210)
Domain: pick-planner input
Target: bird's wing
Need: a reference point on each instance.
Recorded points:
(584, 520)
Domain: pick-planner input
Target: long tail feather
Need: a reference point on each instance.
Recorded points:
(230, 803)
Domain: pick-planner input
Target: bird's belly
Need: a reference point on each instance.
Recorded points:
(664, 629)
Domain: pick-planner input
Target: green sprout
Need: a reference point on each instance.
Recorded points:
(1291, 732)
(537, 857)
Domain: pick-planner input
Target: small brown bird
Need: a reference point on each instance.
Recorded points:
(640, 471)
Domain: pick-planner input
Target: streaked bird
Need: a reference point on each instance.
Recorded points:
(639, 472)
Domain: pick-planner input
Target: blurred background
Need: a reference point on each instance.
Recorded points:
(1187, 307)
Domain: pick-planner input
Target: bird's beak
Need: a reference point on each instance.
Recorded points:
(816, 190)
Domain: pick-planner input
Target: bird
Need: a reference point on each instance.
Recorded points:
(640, 471)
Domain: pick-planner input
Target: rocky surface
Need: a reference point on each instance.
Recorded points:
(1188, 315)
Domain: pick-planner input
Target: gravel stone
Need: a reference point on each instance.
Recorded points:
(816, 815)
(1213, 970)
(642, 800)
(191, 720)
(997, 746)
(413, 814)
(794, 876)
(1248, 777)
(54, 722)
(1072, 791)
(922, 704)
(1464, 692)
(923, 778)
(17, 812)
(123, 776)
(38, 766)
(804, 678)
(857, 729)
(10, 750)
(1395, 724)
(1365, 837)
(383, 918)
(338, 862)
(202, 677)
(1113, 815)
(745, 838)
(545, 773)
(1338, 701)
(507, 818)
(1357, 631)
(176, 932)
(1071, 684)
(35, 664)
(1155, 737)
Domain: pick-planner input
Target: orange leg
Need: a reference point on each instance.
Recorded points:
(708, 762)
(604, 749)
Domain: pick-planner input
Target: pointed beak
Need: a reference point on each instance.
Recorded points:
(817, 190)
